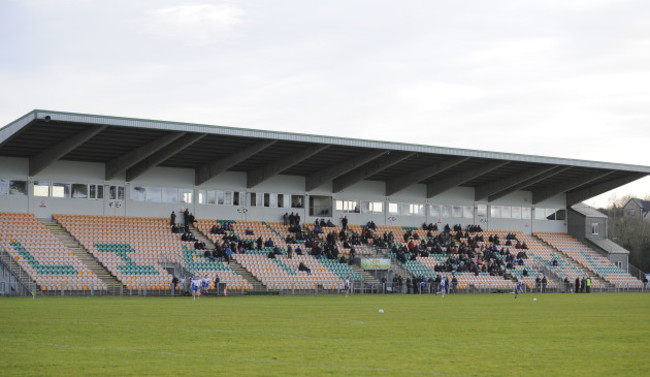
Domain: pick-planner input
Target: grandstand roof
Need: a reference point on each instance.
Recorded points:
(588, 211)
(136, 145)
(608, 245)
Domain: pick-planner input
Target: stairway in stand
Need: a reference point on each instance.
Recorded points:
(369, 279)
(80, 252)
(399, 270)
(256, 284)
(594, 276)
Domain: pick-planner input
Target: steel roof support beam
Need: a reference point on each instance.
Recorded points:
(256, 176)
(494, 187)
(567, 185)
(578, 196)
(215, 167)
(374, 167)
(409, 179)
(318, 178)
(528, 182)
(54, 153)
(121, 163)
(162, 155)
(449, 182)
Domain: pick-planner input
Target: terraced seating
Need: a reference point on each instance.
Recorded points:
(238, 228)
(198, 265)
(591, 260)
(133, 249)
(283, 273)
(342, 270)
(204, 226)
(421, 267)
(426, 266)
(43, 256)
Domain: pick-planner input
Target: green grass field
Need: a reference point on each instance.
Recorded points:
(461, 335)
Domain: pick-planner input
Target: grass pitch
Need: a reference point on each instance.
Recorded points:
(460, 335)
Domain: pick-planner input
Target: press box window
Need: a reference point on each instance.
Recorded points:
(42, 188)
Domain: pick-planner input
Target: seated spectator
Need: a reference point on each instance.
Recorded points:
(269, 242)
(302, 267)
(188, 236)
(249, 232)
(217, 229)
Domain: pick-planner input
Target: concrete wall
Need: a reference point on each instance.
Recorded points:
(16, 169)
(622, 258)
(577, 226)
(558, 201)
(93, 173)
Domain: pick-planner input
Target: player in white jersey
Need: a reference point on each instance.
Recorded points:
(196, 287)
(443, 286)
(346, 286)
(206, 284)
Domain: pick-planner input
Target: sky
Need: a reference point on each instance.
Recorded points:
(559, 78)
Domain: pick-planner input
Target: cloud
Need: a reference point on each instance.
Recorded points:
(196, 24)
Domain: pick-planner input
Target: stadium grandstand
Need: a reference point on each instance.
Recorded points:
(103, 205)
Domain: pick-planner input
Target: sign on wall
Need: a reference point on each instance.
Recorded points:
(375, 263)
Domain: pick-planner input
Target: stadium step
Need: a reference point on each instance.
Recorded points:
(369, 279)
(594, 275)
(233, 263)
(201, 237)
(399, 270)
(113, 285)
(245, 274)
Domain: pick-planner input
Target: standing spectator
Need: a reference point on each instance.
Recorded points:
(174, 282)
(588, 284)
(344, 222)
(544, 282)
(172, 219)
(583, 285)
(577, 288)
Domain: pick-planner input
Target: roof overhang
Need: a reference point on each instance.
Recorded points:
(136, 145)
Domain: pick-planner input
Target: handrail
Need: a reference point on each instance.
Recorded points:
(8, 263)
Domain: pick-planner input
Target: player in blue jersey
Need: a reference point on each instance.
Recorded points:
(443, 286)
(205, 285)
(519, 287)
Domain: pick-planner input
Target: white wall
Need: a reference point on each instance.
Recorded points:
(17, 169)
(93, 173)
